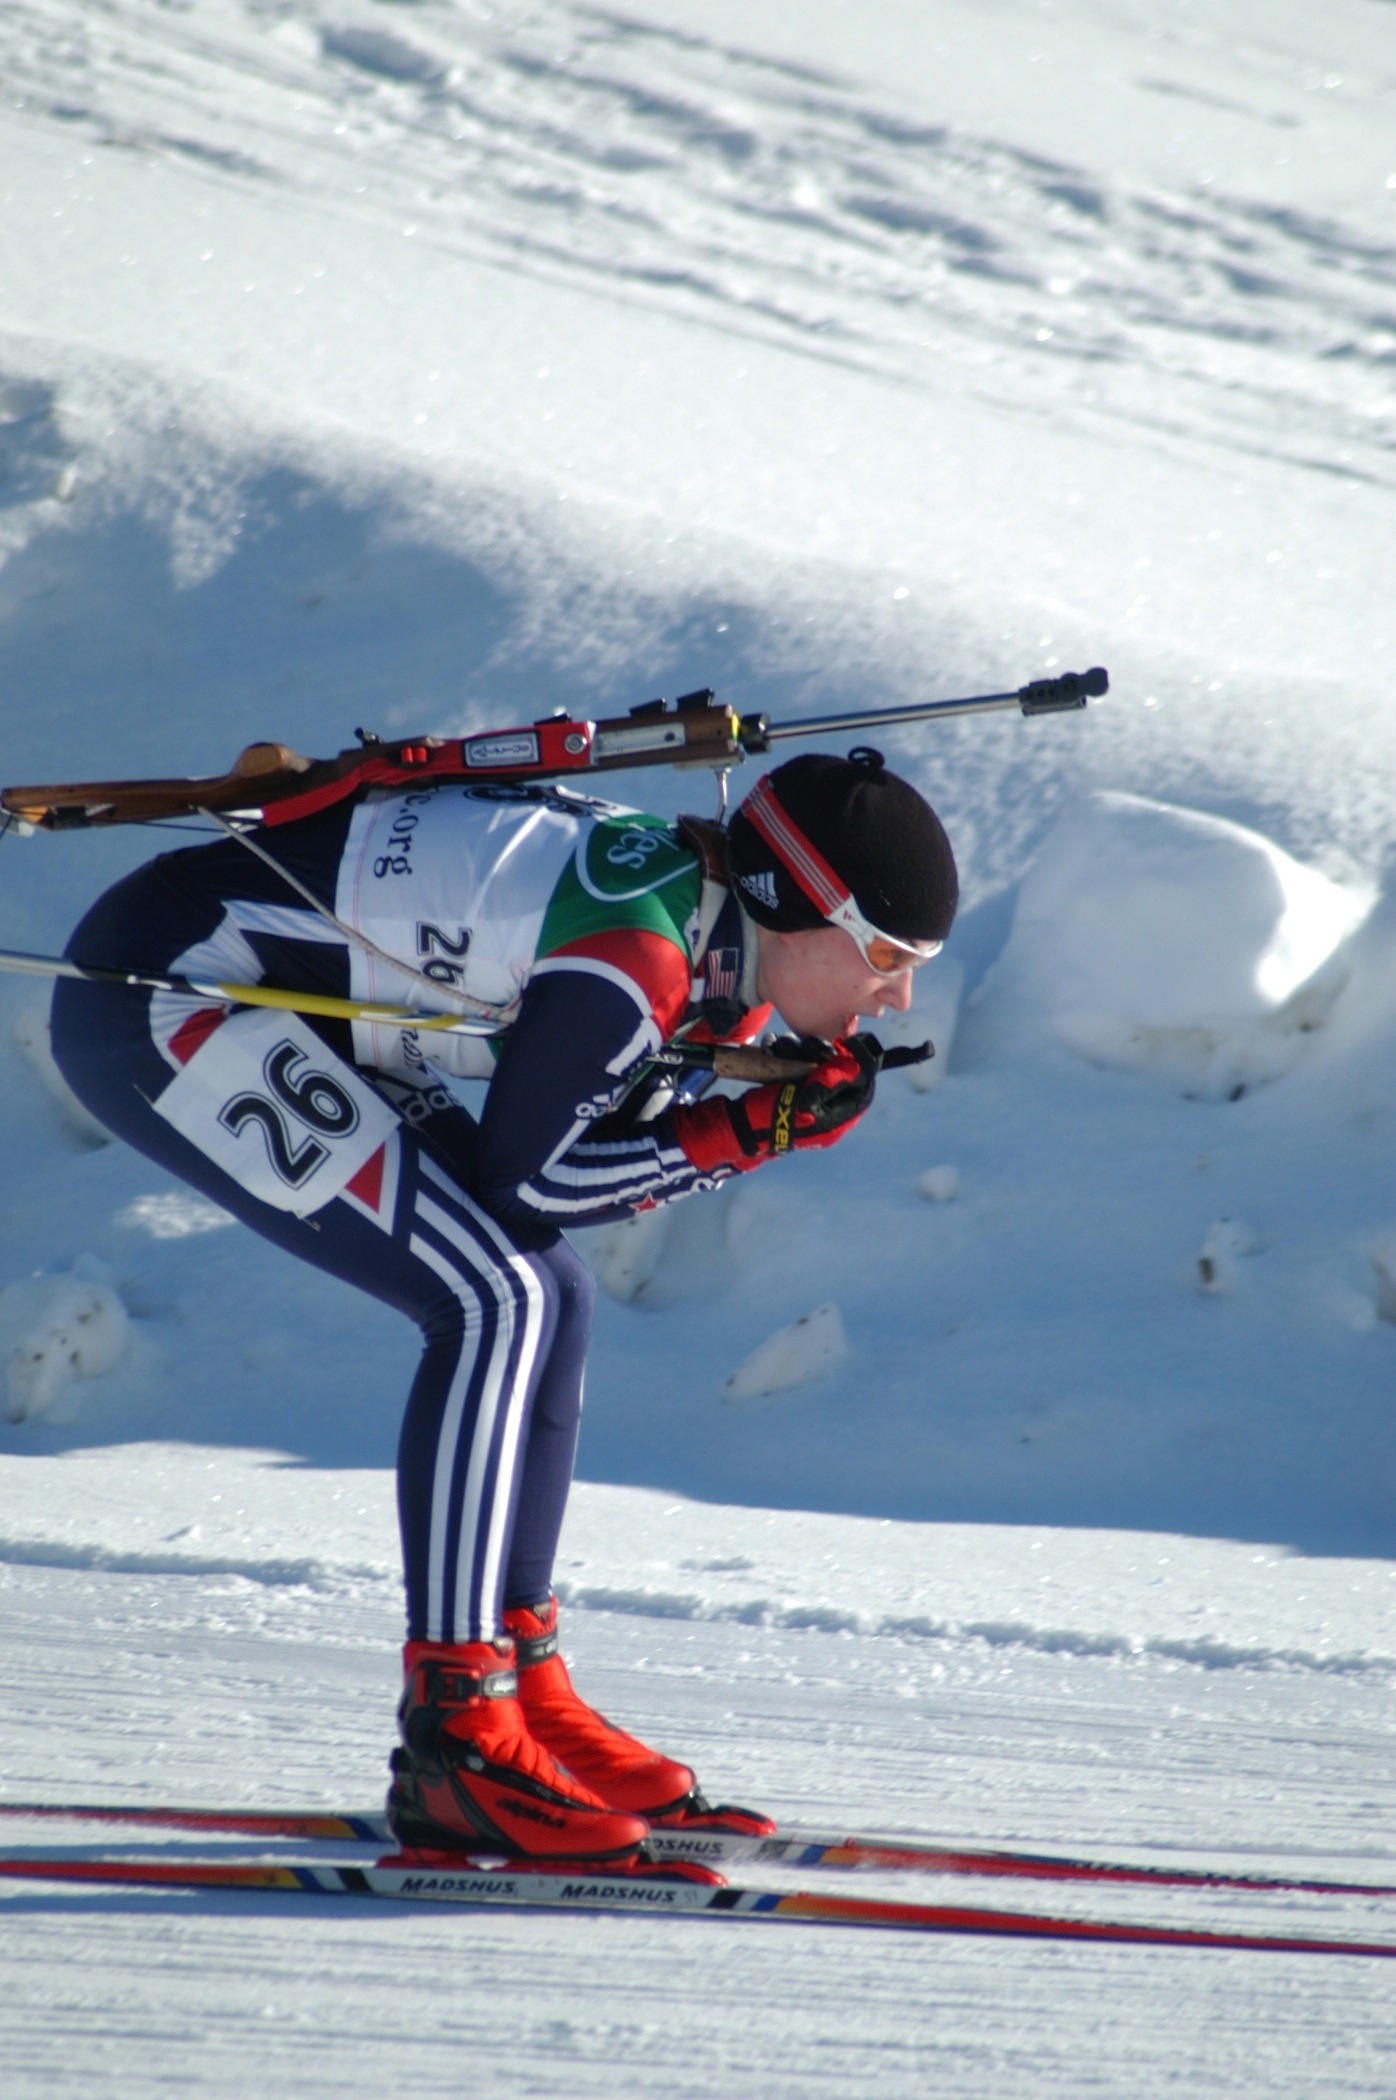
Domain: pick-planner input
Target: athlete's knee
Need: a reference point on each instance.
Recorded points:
(446, 1312)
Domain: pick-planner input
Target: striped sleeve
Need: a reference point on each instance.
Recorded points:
(551, 1151)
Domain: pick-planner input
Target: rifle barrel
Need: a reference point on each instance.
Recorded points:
(1040, 696)
(888, 717)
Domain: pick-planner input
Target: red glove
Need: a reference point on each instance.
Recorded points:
(785, 1115)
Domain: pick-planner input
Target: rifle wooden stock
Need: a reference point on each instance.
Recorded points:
(276, 784)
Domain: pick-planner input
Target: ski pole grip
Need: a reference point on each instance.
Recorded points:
(753, 1062)
(748, 1061)
(745, 1061)
(1051, 696)
(907, 1054)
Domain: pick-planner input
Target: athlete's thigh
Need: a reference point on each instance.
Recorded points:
(266, 1120)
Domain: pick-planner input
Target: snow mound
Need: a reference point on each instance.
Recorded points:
(174, 1216)
(660, 1257)
(939, 1184)
(792, 1356)
(626, 1255)
(54, 1329)
(1227, 1241)
(1165, 941)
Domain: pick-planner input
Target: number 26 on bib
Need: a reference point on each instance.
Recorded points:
(267, 1101)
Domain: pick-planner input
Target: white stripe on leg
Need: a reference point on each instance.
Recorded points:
(486, 1486)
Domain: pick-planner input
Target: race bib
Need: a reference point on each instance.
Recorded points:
(267, 1101)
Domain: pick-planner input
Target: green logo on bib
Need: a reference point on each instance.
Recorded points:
(625, 857)
(628, 871)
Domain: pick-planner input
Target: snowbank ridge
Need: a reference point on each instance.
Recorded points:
(1205, 1653)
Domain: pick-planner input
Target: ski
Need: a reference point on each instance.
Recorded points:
(889, 1855)
(655, 1892)
(364, 1827)
(716, 1848)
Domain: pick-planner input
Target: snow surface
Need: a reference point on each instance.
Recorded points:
(223, 1623)
(430, 365)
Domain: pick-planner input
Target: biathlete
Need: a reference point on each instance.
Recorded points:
(590, 936)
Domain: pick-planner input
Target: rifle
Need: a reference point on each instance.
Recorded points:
(272, 784)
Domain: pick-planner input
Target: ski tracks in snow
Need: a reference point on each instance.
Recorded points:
(757, 196)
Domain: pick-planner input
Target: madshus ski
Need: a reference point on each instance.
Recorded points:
(804, 1849)
(652, 1892)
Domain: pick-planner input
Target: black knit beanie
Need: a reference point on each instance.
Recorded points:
(880, 836)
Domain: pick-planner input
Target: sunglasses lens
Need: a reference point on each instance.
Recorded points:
(889, 958)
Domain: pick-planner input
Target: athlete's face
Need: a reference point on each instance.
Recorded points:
(819, 983)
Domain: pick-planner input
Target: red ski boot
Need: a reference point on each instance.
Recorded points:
(470, 1777)
(625, 1773)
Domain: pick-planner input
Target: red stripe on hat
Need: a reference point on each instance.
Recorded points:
(802, 860)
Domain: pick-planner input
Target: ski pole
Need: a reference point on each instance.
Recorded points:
(321, 1003)
(745, 1061)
